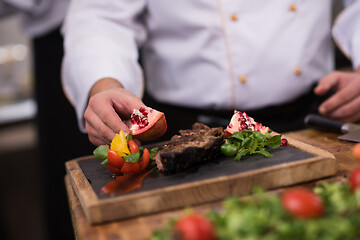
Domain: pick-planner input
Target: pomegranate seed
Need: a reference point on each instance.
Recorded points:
(145, 122)
(142, 110)
(135, 119)
(139, 117)
(284, 142)
(230, 125)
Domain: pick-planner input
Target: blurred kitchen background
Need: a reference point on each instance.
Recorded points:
(21, 213)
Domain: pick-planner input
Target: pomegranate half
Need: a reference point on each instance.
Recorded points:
(147, 124)
(240, 121)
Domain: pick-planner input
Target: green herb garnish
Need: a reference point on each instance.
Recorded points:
(154, 151)
(101, 152)
(132, 158)
(129, 137)
(249, 142)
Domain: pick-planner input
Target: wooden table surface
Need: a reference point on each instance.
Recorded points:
(142, 227)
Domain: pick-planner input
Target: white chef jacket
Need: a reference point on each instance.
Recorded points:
(219, 54)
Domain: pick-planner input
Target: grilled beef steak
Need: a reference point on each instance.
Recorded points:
(191, 147)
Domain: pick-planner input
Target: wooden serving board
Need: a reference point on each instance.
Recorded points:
(296, 163)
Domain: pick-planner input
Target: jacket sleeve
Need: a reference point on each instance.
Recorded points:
(101, 39)
(6, 9)
(346, 31)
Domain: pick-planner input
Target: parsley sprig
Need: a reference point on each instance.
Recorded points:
(249, 142)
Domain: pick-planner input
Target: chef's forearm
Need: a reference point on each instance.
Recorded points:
(104, 84)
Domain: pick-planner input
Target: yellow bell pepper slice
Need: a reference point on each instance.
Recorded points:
(119, 144)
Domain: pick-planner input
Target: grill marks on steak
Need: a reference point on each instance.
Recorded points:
(191, 147)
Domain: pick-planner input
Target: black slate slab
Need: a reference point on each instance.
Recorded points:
(98, 175)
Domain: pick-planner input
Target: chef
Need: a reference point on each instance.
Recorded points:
(202, 59)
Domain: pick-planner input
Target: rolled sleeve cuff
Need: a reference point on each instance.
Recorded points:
(92, 59)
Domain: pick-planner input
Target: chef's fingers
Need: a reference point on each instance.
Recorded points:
(96, 128)
(103, 106)
(333, 81)
(125, 105)
(349, 112)
(327, 83)
(97, 141)
(344, 95)
(94, 137)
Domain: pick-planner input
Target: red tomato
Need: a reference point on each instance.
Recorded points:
(354, 180)
(118, 165)
(302, 203)
(144, 160)
(112, 169)
(130, 168)
(195, 227)
(133, 147)
(115, 159)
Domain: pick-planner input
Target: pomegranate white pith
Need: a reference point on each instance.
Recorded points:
(240, 121)
(147, 124)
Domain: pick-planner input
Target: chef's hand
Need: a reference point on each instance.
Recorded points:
(344, 104)
(110, 105)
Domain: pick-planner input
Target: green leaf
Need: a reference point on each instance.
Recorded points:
(154, 151)
(267, 135)
(229, 150)
(132, 158)
(238, 135)
(141, 148)
(264, 152)
(258, 136)
(254, 146)
(248, 142)
(129, 137)
(274, 142)
(240, 154)
(101, 152)
(237, 144)
(105, 162)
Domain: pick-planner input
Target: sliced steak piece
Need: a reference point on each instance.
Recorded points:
(191, 147)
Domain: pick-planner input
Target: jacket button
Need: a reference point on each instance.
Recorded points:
(233, 17)
(297, 71)
(242, 79)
